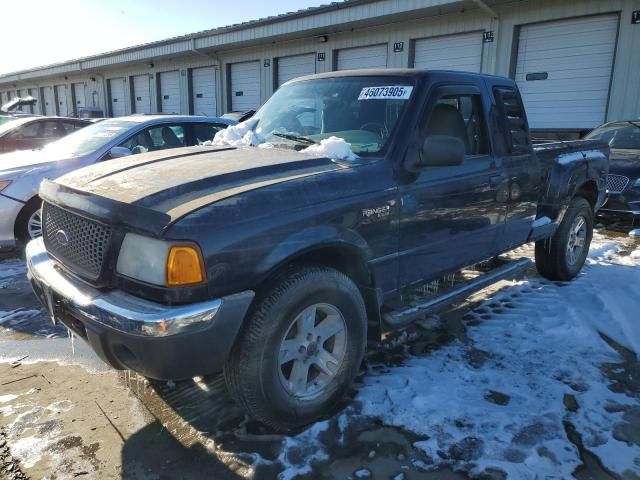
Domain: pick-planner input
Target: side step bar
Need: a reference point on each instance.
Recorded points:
(433, 305)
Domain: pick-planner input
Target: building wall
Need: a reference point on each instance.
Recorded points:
(384, 21)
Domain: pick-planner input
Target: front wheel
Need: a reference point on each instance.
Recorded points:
(300, 349)
(29, 221)
(562, 256)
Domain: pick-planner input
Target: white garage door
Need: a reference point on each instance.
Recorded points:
(564, 71)
(245, 86)
(142, 94)
(116, 89)
(49, 106)
(170, 92)
(374, 56)
(33, 92)
(79, 96)
(295, 66)
(63, 104)
(203, 91)
(453, 52)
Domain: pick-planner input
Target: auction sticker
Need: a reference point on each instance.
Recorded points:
(391, 92)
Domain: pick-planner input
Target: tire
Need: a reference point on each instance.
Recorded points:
(554, 259)
(258, 372)
(23, 230)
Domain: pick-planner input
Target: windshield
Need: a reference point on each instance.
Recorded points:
(89, 139)
(361, 110)
(624, 136)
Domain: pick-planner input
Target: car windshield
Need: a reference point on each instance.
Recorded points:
(361, 110)
(623, 135)
(89, 139)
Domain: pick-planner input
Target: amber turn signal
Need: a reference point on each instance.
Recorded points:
(184, 266)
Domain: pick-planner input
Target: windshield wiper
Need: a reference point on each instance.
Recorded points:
(296, 138)
(634, 123)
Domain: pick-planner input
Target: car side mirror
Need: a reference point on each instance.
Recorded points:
(118, 152)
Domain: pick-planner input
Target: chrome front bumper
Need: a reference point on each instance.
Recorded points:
(158, 341)
(114, 309)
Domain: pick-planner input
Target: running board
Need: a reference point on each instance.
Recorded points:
(398, 318)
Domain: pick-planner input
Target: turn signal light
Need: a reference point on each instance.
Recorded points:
(184, 266)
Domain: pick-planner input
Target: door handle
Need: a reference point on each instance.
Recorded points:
(496, 180)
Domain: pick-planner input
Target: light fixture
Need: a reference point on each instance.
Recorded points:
(323, 39)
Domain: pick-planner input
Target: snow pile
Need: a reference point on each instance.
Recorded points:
(240, 135)
(334, 148)
(635, 233)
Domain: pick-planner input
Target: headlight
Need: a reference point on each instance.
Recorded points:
(159, 262)
(4, 184)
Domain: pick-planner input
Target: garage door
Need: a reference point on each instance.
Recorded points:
(203, 91)
(117, 98)
(295, 66)
(374, 56)
(49, 106)
(63, 103)
(79, 96)
(453, 52)
(142, 94)
(33, 92)
(170, 92)
(245, 86)
(564, 71)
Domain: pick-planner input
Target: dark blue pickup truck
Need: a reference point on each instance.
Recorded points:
(276, 264)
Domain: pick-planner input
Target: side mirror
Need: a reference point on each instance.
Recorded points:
(437, 151)
(118, 152)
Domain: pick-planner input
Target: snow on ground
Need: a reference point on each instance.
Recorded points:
(500, 400)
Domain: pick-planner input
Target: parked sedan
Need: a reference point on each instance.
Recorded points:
(623, 181)
(30, 133)
(21, 172)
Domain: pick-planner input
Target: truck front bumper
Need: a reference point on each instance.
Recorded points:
(158, 341)
(627, 202)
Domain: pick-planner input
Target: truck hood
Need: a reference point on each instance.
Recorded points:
(165, 186)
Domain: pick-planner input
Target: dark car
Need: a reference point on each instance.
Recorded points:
(280, 264)
(623, 181)
(30, 133)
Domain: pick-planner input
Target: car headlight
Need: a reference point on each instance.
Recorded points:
(159, 262)
(4, 184)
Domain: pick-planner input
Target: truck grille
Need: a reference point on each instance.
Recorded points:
(78, 243)
(617, 183)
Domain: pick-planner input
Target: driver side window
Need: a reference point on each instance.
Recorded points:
(460, 116)
(156, 138)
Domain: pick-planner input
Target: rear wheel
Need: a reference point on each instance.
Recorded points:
(300, 349)
(562, 256)
(29, 221)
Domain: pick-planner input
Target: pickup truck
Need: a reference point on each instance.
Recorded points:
(279, 264)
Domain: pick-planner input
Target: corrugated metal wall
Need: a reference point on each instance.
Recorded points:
(398, 23)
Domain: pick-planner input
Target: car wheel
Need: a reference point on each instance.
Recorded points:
(300, 349)
(562, 256)
(29, 221)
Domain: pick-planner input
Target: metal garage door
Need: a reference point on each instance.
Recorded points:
(453, 52)
(170, 92)
(79, 96)
(49, 107)
(245, 86)
(295, 66)
(142, 94)
(63, 103)
(374, 56)
(33, 92)
(116, 94)
(564, 71)
(203, 91)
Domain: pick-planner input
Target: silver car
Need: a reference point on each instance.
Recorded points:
(21, 172)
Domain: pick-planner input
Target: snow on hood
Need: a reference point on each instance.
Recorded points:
(333, 147)
(242, 135)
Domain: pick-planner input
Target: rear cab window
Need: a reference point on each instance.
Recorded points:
(514, 120)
